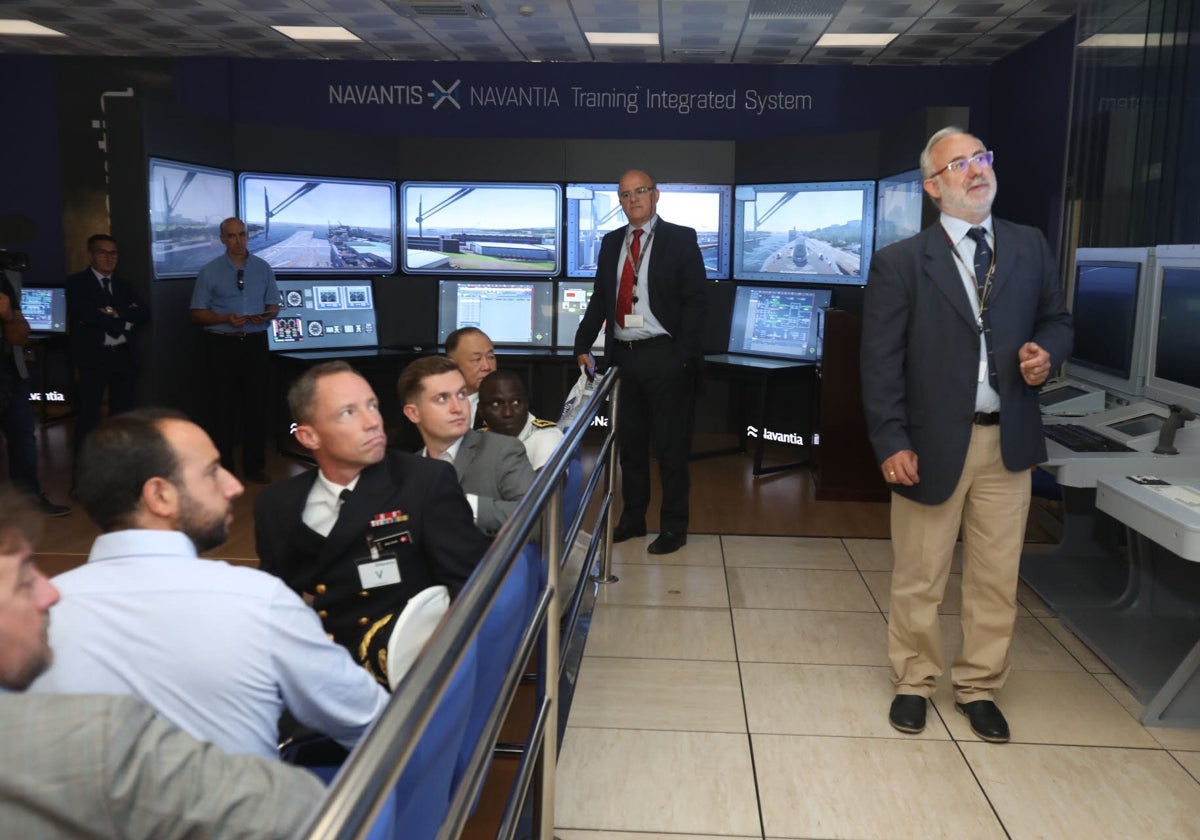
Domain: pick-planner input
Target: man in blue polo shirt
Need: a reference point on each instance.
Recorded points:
(234, 300)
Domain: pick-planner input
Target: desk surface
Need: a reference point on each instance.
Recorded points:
(756, 362)
(1168, 514)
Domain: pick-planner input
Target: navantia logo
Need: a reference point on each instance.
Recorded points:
(600, 420)
(781, 437)
(446, 94)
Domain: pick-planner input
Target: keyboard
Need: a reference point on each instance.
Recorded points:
(1082, 439)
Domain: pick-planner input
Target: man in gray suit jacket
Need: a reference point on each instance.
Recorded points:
(100, 766)
(962, 324)
(493, 469)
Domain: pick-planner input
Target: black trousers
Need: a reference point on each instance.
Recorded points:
(656, 406)
(111, 371)
(238, 393)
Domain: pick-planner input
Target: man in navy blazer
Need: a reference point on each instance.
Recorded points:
(103, 311)
(649, 296)
(369, 528)
(962, 324)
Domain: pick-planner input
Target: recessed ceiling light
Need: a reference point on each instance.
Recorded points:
(850, 39)
(317, 33)
(622, 39)
(1128, 40)
(27, 27)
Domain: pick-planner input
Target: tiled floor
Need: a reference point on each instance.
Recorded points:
(740, 687)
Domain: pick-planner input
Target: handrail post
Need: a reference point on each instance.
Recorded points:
(605, 574)
(544, 789)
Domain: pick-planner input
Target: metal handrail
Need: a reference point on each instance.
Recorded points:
(369, 774)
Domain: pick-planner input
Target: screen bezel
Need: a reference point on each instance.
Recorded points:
(212, 250)
(285, 284)
(543, 299)
(508, 270)
(331, 270)
(822, 300)
(58, 300)
(1158, 388)
(724, 193)
(744, 194)
(888, 184)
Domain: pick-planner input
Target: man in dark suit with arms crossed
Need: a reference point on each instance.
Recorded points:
(650, 298)
(404, 525)
(103, 311)
(962, 324)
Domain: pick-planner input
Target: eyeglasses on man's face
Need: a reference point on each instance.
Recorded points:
(982, 160)
(638, 191)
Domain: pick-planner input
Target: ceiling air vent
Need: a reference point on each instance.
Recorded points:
(459, 9)
(794, 9)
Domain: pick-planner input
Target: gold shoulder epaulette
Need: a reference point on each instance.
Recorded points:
(543, 424)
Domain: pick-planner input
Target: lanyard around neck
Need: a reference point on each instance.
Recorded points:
(981, 295)
(642, 249)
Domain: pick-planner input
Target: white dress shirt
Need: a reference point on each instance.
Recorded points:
(218, 650)
(986, 398)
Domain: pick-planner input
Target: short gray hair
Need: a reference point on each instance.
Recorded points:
(927, 170)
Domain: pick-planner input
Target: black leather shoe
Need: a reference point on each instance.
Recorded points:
(986, 720)
(908, 713)
(624, 532)
(667, 543)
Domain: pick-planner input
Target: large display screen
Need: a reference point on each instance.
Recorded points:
(44, 309)
(187, 205)
(325, 314)
(513, 313)
(573, 298)
(481, 228)
(594, 209)
(1177, 338)
(898, 207)
(804, 232)
(308, 225)
(778, 322)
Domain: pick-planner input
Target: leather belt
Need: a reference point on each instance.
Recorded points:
(986, 418)
(641, 343)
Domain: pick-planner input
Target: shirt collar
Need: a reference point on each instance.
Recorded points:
(957, 228)
(332, 490)
(646, 228)
(451, 450)
(141, 541)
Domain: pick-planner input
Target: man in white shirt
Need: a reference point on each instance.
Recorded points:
(106, 766)
(504, 406)
(219, 650)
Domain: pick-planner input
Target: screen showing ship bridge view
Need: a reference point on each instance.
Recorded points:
(803, 231)
(594, 209)
(187, 205)
(476, 228)
(301, 224)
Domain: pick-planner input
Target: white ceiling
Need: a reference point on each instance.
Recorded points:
(928, 32)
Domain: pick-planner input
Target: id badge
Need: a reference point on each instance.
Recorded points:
(983, 372)
(632, 321)
(376, 572)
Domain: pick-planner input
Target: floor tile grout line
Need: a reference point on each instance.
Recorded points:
(745, 710)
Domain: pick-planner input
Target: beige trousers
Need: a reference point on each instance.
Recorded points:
(991, 505)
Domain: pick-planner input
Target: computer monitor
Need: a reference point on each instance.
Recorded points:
(187, 204)
(45, 309)
(481, 228)
(804, 232)
(1174, 370)
(304, 224)
(513, 313)
(898, 204)
(1111, 312)
(572, 300)
(324, 314)
(778, 322)
(593, 210)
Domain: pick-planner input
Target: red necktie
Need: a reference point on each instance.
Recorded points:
(625, 293)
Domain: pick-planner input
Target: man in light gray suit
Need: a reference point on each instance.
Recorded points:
(493, 469)
(93, 765)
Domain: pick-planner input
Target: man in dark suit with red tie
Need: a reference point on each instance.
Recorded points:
(962, 324)
(102, 310)
(650, 298)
